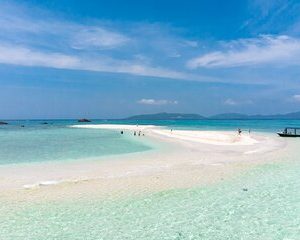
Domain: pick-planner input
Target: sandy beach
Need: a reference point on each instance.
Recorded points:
(208, 137)
(181, 159)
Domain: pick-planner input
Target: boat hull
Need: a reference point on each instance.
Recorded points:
(288, 135)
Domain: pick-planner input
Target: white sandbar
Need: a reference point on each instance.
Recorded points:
(209, 137)
(184, 158)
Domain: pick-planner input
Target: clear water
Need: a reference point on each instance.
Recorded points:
(256, 125)
(268, 210)
(262, 204)
(36, 142)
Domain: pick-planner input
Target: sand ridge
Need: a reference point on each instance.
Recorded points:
(209, 137)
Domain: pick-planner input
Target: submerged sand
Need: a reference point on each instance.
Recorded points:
(181, 158)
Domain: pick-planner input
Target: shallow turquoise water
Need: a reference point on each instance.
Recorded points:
(269, 209)
(37, 142)
(256, 125)
(263, 204)
(59, 143)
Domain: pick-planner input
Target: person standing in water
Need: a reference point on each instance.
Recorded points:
(239, 131)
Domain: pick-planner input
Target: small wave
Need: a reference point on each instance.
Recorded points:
(41, 184)
(253, 151)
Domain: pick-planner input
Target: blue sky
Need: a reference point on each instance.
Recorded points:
(110, 59)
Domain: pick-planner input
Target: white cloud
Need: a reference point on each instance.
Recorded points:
(156, 102)
(34, 37)
(98, 38)
(296, 97)
(16, 20)
(266, 49)
(232, 102)
(17, 55)
(26, 57)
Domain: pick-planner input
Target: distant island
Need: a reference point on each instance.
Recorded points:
(224, 116)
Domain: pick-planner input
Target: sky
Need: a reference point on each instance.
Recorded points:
(113, 59)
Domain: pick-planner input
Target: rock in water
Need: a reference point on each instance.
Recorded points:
(3, 123)
(84, 120)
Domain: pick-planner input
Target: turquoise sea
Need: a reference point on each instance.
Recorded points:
(261, 204)
(56, 141)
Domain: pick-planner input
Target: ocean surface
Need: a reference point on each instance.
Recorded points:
(56, 141)
(261, 204)
(268, 210)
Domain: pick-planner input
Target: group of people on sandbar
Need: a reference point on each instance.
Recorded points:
(138, 133)
(135, 133)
